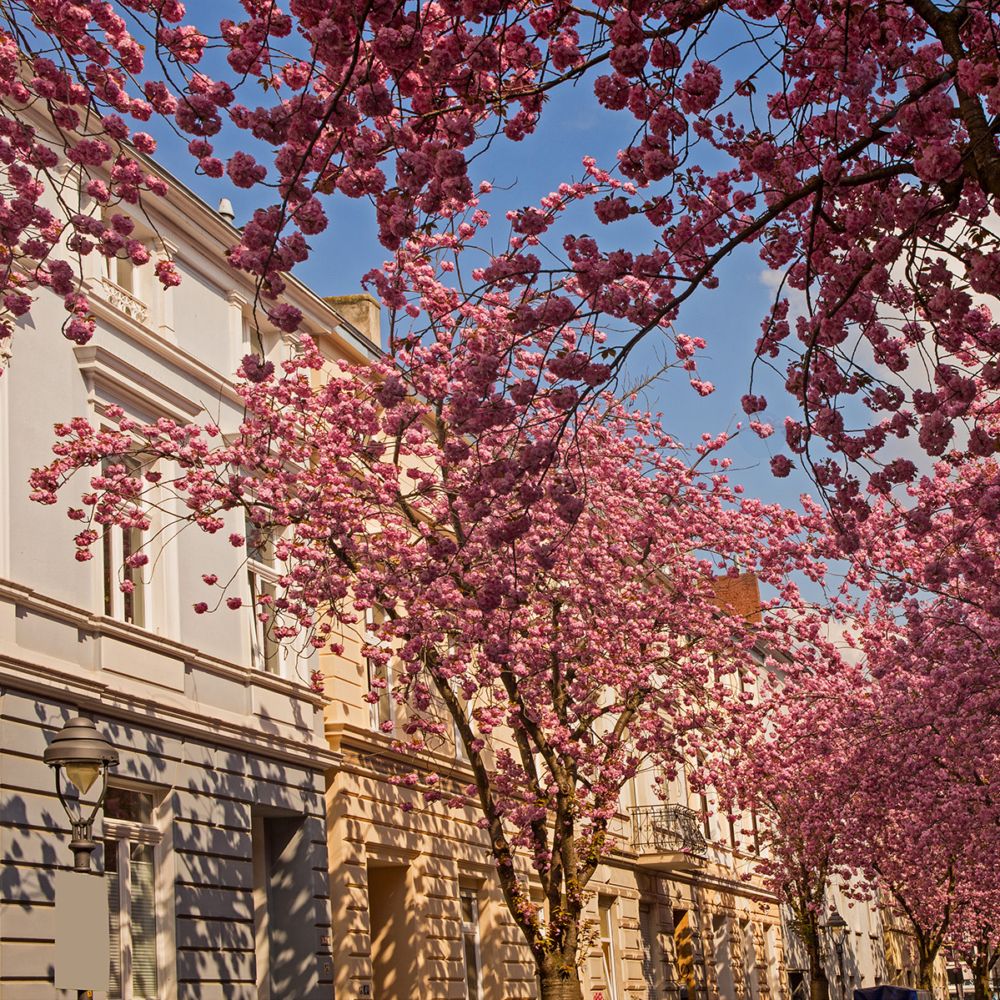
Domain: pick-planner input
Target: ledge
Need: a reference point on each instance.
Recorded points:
(42, 673)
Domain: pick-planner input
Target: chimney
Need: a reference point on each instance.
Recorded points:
(362, 311)
(225, 209)
(739, 595)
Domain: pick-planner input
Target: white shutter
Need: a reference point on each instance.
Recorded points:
(114, 916)
(143, 910)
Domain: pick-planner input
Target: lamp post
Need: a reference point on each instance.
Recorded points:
(84, 755)
(837, 926)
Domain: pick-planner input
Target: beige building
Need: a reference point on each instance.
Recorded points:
(674, 913)
(417, 911)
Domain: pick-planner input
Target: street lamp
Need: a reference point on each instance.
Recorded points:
(80, 751)
(837, 926)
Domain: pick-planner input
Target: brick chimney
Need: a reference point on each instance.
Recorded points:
(739, 595)
(362, 311)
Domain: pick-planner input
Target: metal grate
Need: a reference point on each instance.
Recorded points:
(666, 829)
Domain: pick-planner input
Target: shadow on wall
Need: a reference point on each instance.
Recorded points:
(32, 846)
(250, 849)
(394, 937)
(207, 888)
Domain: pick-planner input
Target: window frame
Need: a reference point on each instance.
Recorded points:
(263, 574)
(461, 755)
(117, 544)
(155, 834)
(609, 953)
(384, 694)
(471, 931)
(119, 269)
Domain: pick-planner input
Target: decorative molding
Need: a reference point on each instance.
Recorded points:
(102, 625)
(170, 353)
(197, 225)
(125, 302)
(102, 369)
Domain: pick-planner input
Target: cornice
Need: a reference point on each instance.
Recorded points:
(149, 713)
(105, 369)
(184, 215)
(171, 354)
(101, 625)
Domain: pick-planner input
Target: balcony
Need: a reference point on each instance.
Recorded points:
(668, 838)
(124, 301)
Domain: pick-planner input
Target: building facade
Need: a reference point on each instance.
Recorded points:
(213, 835)
(675, 912)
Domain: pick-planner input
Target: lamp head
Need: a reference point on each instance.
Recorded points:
(81, 751)
(837, 926)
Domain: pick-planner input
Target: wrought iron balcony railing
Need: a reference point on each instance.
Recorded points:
(668, 830)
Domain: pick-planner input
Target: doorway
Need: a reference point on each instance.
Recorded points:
(393, 934)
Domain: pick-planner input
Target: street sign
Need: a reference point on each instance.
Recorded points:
(83, 940)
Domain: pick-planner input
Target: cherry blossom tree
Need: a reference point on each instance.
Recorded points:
(548, 597)
(888, 770)
(774, 766)
(981, 956)
(931, 775)
(854, 148)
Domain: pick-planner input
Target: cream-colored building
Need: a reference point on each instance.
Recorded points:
(417, 911)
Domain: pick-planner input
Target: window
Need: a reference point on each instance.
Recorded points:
(541, 905)
(678, 786)
(379, 673)
(121, 271)
(461, 754)
(262, 576)
(450, 652)
(130, 841)
(131, 604)
(704, 807)
(798, 984)
(469, 899)
(609, 958)
(706, 816)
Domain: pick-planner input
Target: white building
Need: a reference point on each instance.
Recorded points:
(213, 836)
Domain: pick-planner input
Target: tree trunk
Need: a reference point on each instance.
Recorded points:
(556, 988)
(981, 960)
(559, 979)
(819, 986)
(981, 982)
(925, 970)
